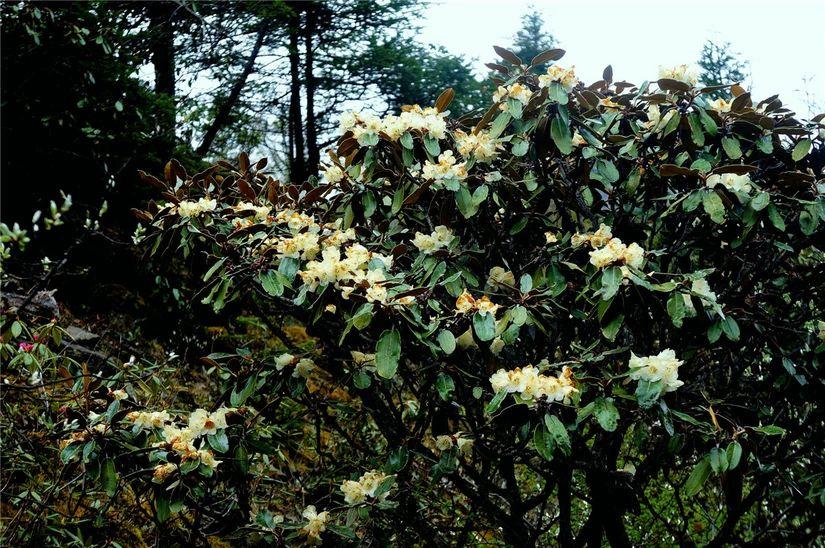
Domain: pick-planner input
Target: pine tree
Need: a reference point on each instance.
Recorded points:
(532, 38)
(720, 65)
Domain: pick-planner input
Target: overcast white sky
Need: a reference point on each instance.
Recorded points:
(784, 40)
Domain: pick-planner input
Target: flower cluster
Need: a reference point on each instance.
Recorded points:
(662, 367)
(260, 214)
(516, 91)
(480, 144)
(358, 491)
(531, 385)
(731, 181)
(467, 303)
(608, 250)
(200, 423)
(428, 244)
(564, 76)
(413, 117)
(333, 174)
(683, 73)
(191, 208)
(446, 168)
(445, 442)
(303, 366)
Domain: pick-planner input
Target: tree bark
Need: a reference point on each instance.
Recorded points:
(297, 162)
(225, 109)
(313, 152)
(162, 45)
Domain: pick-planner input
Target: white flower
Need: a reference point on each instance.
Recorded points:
(333, 174)
(662, 367)
(731, 181)
(428, 244)
(304, 368)
(283, 360)
(682, 73)
(316, 523)
(202, 423)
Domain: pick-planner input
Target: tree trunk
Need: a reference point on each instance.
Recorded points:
(162, 45)
(297, 163)
(313, 152)
(225, 109)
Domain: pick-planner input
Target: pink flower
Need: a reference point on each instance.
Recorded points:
(26, 347)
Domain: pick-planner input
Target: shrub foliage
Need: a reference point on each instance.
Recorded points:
(589, 313)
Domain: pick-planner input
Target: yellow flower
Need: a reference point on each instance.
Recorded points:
(719, 105)
(162, 472)
(555, 73)
(465, 302)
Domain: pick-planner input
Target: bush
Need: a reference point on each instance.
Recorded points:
(593, 312)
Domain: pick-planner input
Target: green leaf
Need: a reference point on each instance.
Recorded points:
(108, 477)
(500, 124)
(765, 144)
(718, 460)
(730, 328)
(612, 328)
(808, 221)
(526, 283)
(802, 148)
(213, 269)
(770, 430)
(558, 433)
(676, 309)
(445, 385)
(361, 380)
(733, 454)
(698, 477)
(696, 132)
(272, 283)
(464, 201)
(162, 510)
(431, 145)
(714, 207)
(218, 441)
(606, 413)
(484, 325)
(446, 340)
(543, 442)
(560, 133)
(732, 148)
(557, 93)
(495, 403)
(647, 393)
(611, 281)
(69, 452)
(760, 201)
(16, 329)
(236, 399)
(519, 147)
(387, 353)
(776, 218)
(407, 141)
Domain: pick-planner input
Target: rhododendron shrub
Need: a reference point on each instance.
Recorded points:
(587, 314)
